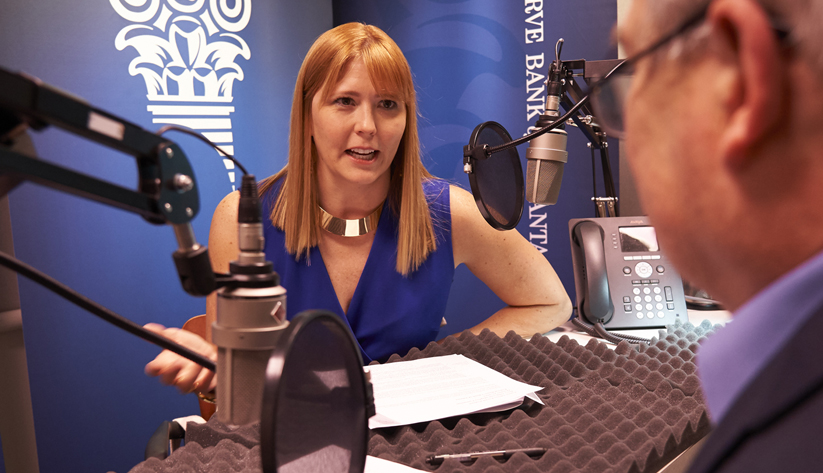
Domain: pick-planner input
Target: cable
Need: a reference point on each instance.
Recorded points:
(599, 331)
(584, 326)
(551, 126)
(117, 320)
(201, 138)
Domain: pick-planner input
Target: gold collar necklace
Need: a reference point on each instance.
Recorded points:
(349, 227)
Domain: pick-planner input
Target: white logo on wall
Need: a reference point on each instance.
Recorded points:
(186, 55)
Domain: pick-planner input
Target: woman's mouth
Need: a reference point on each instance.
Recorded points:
(362, 154)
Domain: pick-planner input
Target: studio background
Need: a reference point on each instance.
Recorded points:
(94, 410)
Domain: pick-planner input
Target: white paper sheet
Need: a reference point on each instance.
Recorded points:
(422, 390)
(379, 465)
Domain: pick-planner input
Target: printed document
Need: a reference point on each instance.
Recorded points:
(408, 392)
(379, 465)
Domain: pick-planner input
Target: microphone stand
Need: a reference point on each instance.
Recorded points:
(578, 113)
(586, 122)
(166, 194)
(167, 190)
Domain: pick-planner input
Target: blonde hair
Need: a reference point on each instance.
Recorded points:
(295, 211)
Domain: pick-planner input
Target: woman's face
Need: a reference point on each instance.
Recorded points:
(356, 131)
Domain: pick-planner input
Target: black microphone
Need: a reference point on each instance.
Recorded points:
(251, 314)
(547, 153)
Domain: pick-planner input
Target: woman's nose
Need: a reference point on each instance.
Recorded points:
(365, 121)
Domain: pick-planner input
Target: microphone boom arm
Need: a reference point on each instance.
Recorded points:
(591, 71)
(167, 190)
(587, 123)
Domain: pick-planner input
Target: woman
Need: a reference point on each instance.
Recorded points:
(354, 157)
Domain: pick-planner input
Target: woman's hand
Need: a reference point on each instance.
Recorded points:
(174, 370)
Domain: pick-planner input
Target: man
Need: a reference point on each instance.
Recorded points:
(723, 124)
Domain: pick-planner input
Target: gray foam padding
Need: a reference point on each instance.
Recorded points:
(225, 457)
(606, 410)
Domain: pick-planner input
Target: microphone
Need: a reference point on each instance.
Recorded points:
(493, 165)
(547, 153)
(251, 313)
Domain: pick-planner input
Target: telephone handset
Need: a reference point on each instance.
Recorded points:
(598, 305)
(621, 278)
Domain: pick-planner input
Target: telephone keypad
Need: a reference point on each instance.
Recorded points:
(644, 291)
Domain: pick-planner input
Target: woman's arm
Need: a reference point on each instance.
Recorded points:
(171, 368)
(222, 247)
(512, 268)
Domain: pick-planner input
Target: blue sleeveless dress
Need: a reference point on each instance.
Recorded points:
(389, 313)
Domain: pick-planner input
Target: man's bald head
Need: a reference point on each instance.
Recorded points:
(801, 18)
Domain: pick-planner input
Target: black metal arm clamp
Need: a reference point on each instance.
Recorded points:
(167, 190)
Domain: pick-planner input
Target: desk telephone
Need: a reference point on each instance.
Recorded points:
(621, 278)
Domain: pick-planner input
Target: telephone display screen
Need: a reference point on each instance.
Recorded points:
(636, 239)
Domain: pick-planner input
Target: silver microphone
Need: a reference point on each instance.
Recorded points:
(547, 155)
(250, 317)
(247, 328)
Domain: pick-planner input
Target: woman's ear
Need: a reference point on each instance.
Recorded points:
(747, 35)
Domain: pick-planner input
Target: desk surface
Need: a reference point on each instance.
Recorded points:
(695, 318)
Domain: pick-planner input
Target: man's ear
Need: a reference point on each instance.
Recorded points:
(750, 38)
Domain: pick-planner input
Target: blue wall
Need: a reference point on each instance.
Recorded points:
(468, 58)
(94, 409)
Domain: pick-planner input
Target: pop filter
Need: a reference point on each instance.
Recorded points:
(497, 179)
(316, 401)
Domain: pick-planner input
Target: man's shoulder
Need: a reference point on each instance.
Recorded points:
(776, 422)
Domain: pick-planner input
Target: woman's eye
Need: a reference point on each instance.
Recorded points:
(388, 104)
(345, 101)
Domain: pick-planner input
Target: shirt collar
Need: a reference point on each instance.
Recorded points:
(730, 359)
